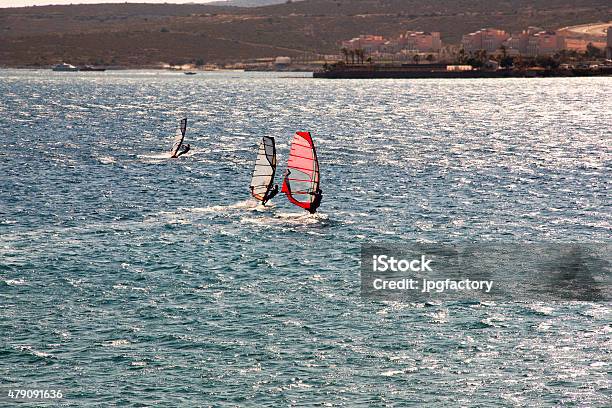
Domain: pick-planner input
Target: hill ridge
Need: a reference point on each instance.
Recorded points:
(131, 34)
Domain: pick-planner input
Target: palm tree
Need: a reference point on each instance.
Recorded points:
(481, 55)
(362, 55)
(563, 55)
(461, 57)
(352, 54)
(345, 52)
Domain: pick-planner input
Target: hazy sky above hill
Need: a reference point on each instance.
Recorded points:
(25, 3)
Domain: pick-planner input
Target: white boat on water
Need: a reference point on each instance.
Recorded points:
(63, 67)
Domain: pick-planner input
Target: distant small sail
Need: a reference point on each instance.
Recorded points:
(303, 181)
(178, 139)
(265, 169)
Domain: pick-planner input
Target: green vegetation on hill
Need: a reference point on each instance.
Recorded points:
(146, 34)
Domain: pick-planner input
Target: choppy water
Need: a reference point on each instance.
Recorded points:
(130, 279)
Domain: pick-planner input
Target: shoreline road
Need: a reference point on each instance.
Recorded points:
(597, 30)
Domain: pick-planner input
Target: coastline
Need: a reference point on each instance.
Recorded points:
(353, 74)
(377, 72)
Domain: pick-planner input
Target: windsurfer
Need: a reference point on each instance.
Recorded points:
(316, 201)
(184, 149)
(270, 195)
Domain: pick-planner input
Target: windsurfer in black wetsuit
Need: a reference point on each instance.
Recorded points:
(270, 194)
(316, 201)
(184, 149)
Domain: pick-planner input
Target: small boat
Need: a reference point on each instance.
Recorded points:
(265, 168)
(91, 68)
(63, 67)
(190, 73)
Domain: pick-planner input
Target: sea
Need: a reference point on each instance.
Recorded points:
(131, 279)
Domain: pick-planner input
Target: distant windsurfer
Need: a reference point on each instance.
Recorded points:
(184, 149)
(178, 148)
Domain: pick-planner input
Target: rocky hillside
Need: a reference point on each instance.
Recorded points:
(147, 34)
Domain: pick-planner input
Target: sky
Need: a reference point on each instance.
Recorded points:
(25, 3)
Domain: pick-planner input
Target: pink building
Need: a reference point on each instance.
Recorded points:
(488, 39)
(545, 43)
(411, 40)
(419, 41)
(368, 43)
(519, 42)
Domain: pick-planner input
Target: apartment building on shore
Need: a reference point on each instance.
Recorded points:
(531, 42)
(488, 39)
(409, 41)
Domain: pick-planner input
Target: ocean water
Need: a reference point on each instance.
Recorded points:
(128, 279)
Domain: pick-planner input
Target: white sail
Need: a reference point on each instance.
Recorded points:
(265, 168)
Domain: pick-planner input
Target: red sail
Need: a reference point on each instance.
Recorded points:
(303, 179)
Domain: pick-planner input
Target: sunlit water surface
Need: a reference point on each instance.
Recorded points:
(127, 278)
